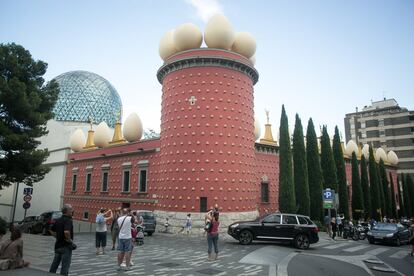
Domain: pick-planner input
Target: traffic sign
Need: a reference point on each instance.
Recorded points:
(328, 194)
(26, 205)
(27, 198)
(28, 191)
(328, 205)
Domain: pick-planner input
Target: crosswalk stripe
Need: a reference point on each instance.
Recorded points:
(377, 251)
(337, 245)
(356, 248)
(400, 254)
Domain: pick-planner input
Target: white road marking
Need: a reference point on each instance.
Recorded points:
(337, 245)
(355, 248)
(377, 251)
(400, 254)
(283, 265)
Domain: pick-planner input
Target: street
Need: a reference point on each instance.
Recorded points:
(165, 254)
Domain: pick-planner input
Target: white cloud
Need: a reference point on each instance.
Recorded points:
(206, 8)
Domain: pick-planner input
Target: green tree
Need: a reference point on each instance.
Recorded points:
(401, 211)
(409, 195)
(341, 174)
(327, 162)
(374, 186)
(365, 187)
(287, 201)
(300, 169)
(381, 192)
(314, 173)
(385, 188)
(26, 104)
(357, 199)
(393, 202)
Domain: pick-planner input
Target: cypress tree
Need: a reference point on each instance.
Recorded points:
(393, 203)
(401, 211)
(300, 169)
(357, 199)
(314, 173)
(410, 195)
(374, 187)
(381, 192)
(287, 202)
(365, 187)
(327, 162)
(341, 174)
(386, 190)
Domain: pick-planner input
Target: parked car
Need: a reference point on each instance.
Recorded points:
(48, 219)
(30, 224)
(149, 221)
(298, 229)
(394, 233)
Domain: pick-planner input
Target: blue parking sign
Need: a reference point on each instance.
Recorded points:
(28, 191)
(328, 194)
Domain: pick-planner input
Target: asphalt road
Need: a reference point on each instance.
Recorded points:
(164, 254)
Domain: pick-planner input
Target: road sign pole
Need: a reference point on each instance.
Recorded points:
(15, 202)
(25, 212)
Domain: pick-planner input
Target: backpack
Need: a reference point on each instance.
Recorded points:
(209, 226)
(100, 219)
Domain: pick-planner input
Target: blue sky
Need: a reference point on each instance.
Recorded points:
(319, 58)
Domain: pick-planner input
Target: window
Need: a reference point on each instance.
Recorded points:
(302, 220)
(203, 204)
(105, 181)
(85, 215)
(265, 192)
(289, 220)
(125, 182)
(142, 181)
(381, 122)
(88, 182)
(74, 180)
(272, 219)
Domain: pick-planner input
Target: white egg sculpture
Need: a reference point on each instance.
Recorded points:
(253, 60)
(187, 36)
(380, 154)
(392, 157)
(133, 128)
(102, 135)
(219, 33)
(167, 47)
(257, 129)
(77, 140)
(365, 151)
(244, 44)
(350, 148)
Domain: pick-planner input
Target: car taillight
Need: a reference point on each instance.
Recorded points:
(315, 229)
(50, 221)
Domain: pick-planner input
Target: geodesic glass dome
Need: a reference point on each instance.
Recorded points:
(85, 95)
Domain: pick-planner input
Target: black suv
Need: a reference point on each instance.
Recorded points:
(298, 229)
(48, 219)
(149, 221)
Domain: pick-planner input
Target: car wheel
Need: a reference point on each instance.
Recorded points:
(371, 241)
(302, 241)
(397, 242)
(245, 237)
(150, 233)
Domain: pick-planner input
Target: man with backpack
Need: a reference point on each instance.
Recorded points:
(100, 237)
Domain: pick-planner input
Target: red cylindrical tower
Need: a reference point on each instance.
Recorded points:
(207, 126)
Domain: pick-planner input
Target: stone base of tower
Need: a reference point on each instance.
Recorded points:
(176, 220)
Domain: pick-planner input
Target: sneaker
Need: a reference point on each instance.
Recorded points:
(123, 264)
(131, 263)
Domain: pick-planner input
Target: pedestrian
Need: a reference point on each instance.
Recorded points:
(334, 228)
(115, 227)
(100, 236)
(11, 252)
(125, 239)
(188, 224)
(339, 225)
(327, 223)
(412, 237)
(62, 230)
(212, 235)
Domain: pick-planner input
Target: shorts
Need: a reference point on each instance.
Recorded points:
(100, 239)
(124, 245)
(115, 233)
